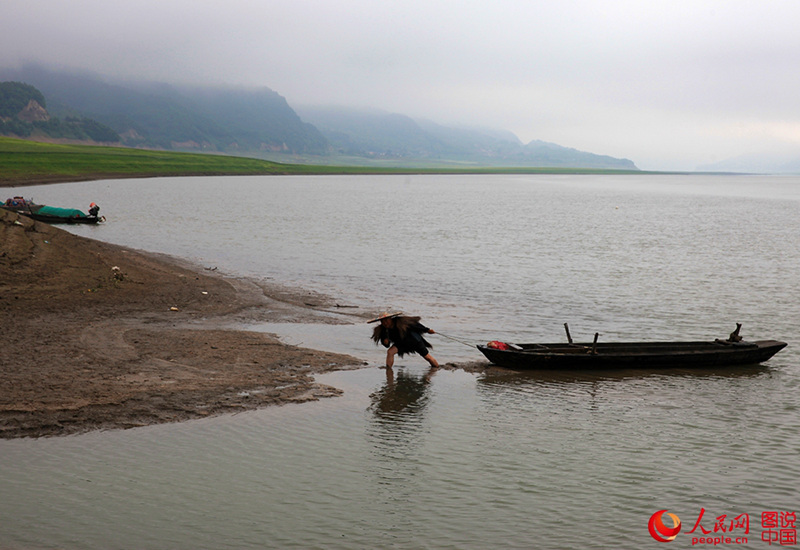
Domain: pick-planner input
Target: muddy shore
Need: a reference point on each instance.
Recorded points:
(98, 336)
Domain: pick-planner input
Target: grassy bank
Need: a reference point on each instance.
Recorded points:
(25, 162)
(28, 162)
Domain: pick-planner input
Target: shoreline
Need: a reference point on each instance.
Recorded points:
(60, 178)
(99, 336)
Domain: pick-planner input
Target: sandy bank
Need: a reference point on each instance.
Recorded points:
(85, 346)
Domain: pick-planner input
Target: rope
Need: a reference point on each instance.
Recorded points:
(455, 339)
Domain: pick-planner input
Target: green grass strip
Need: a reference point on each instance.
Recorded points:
(28, 162)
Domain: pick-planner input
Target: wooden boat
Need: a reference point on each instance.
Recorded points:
(592, 356)
(52, 214)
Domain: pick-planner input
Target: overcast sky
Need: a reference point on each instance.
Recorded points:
(667, 84)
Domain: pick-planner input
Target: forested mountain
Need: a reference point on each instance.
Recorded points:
(260, 122)
(16, 96)
(168, 117)
(23, 112)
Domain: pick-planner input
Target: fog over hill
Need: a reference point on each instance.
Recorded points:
(379, 134)
(261, 122)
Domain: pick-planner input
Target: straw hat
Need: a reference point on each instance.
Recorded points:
(385, 315)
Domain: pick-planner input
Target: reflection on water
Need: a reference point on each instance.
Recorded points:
(403, 397)
(398, 439)
(500, 387)
(497, 376)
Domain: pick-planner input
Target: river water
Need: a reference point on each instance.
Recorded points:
(413, 459)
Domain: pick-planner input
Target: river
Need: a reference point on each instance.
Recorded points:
(414, 459)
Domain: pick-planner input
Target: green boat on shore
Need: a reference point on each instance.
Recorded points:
(52, 214)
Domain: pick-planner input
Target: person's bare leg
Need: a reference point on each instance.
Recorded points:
(390, 353)
(430, 359)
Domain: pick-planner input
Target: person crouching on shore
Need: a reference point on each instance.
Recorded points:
(402, 334)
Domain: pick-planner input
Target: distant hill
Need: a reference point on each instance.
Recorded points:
(261, 123)
(167, 117)
(378, 134)
(257, 120)
(23, 113)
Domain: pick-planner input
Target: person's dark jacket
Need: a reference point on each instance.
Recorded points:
(406, 333)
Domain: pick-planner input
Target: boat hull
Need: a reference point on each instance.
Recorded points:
(647, 355)
(59, 219)
(32, 211)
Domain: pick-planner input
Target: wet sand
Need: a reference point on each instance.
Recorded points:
(98, 336)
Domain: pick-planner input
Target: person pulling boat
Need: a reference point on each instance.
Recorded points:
(402, 334)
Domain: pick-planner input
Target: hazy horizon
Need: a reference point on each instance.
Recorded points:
(669, 86)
